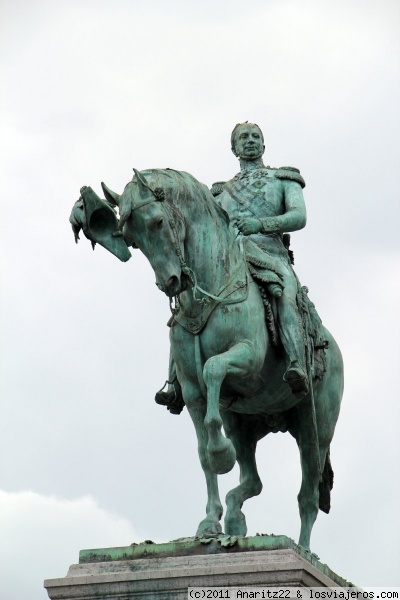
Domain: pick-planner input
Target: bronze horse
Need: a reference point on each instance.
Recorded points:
(230, 373)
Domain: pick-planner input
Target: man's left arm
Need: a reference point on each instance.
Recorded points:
(295, 215)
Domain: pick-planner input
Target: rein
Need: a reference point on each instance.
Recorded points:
(193, 278)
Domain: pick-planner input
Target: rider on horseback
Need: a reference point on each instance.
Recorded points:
(263, 203)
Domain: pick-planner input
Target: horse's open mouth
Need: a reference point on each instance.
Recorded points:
(184, 283)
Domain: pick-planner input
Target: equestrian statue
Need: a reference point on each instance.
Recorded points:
(249, 353)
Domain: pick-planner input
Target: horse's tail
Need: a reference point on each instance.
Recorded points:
(326, 485)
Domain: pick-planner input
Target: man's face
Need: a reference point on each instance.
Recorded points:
(248, 142)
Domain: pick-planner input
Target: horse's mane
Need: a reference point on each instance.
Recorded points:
(182, 190)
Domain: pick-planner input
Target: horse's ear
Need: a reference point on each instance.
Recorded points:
(112, 197)
(142, 183)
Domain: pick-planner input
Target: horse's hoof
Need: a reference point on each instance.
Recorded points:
(208, 527)
(222, 459)
(303, 543)
(235, 524)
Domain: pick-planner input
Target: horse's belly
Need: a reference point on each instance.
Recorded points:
(268, 400)
(260, 405)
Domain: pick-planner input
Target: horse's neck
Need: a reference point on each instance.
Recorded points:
(210, 251)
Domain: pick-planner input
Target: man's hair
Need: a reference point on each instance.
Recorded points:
(236, 129)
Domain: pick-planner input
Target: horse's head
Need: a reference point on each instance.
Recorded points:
(149, 222)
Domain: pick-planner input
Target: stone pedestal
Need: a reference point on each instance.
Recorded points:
(165, 571)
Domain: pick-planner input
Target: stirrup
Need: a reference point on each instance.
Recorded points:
(165, 398)
(172, 399)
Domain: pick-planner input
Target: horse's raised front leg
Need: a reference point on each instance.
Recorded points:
(211, 524)
(242, 431)
(239, 361)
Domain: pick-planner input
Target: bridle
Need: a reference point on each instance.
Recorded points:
(159, 196)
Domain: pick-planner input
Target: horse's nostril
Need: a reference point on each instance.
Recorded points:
(172, 281)
(171, 287)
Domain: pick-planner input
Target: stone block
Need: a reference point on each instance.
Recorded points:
(165, 571)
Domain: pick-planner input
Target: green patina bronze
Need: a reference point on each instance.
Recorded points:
(248, 350)
(202, 546)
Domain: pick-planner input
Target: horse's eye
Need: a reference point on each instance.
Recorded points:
(160, 223)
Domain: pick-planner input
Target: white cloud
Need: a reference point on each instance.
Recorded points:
(41, 537)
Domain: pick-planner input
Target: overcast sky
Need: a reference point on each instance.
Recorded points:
(91, 89)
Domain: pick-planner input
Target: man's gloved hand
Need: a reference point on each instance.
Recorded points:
(249, 225)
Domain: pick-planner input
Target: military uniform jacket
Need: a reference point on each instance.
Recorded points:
(273, 196)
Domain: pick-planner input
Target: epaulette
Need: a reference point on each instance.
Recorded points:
(217, 188)
(290, 173)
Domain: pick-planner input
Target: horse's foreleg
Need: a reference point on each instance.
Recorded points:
(211, 524)
(242, 431)
(238, 361)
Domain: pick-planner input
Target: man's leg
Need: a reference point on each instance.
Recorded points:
(292, 338)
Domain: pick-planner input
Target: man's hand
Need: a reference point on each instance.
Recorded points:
(249, 225)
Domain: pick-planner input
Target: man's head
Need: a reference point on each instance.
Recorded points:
(247, 141)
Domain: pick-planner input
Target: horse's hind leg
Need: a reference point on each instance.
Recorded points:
(309, 492)
(312, 458)
(211, 524)
(242, 431)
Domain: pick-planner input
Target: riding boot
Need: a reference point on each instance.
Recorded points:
(297, 379)
(172, 398)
